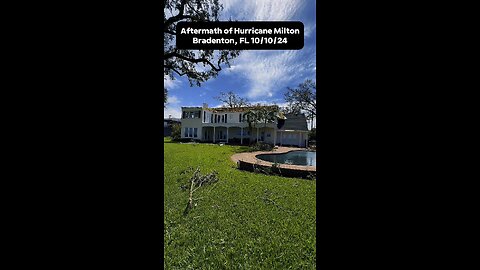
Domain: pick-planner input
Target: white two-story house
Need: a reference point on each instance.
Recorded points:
(230, 125)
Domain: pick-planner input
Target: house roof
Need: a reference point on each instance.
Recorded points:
(192, 108)
(295, 122)
(238, 109)
(225, 109)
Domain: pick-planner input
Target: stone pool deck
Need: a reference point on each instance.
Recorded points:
(249, 157)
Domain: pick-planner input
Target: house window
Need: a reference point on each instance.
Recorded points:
(195, 132)
(204, 117)
(186, 132)
(190, 132)
(240, 118)
(225, 118)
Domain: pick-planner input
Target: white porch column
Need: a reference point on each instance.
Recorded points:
(241, 135)
(227, 134)
(213, 134)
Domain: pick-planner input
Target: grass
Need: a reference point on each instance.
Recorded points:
(244, 221)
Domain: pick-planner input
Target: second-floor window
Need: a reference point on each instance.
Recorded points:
(192, 114)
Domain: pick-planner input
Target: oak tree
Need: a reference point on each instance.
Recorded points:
(197, 65)
(303, 98)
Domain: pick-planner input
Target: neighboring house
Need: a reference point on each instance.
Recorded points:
(167, 125)
(230, 125)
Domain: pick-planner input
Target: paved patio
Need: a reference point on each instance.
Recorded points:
(249, 157)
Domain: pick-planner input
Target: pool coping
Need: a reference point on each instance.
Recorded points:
(250, 157)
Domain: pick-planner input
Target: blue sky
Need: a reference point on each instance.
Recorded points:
(259, 75)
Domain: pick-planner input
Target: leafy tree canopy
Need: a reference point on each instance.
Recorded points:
(197, 65)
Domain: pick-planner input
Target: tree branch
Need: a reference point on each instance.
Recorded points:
(193, 60)
(179, 16)
(170, 32)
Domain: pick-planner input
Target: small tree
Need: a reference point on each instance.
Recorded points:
(252, 117)
(261, 114)
(268, 114)
(176, 131)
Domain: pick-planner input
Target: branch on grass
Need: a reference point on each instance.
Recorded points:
(197, 181)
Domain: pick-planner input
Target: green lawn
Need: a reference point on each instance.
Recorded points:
(244, 221)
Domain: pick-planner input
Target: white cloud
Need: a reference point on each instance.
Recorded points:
(173, 100)
(309, 29)
(261, 10)
(173, 107)
(174, 111)
(267, 72)
(171, 84)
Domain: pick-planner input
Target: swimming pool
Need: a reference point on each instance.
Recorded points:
(304, 158)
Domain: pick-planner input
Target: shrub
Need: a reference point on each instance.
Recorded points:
(262, 146)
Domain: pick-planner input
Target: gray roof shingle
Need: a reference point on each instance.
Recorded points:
(295, 122)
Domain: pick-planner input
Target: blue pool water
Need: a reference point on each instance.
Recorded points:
(304, 158)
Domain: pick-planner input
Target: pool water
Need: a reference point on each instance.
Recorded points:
(304, 158)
